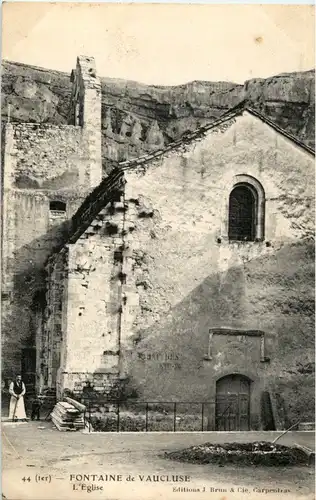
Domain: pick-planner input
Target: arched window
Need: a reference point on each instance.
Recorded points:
(57, 206)
(243, 203)
(243, 210)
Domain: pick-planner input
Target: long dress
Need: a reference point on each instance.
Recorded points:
(17, 409)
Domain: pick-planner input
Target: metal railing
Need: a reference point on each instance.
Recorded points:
(146, 416)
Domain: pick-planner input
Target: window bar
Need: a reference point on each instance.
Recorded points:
(118, 417)
(174, 416)
(262, 348)
(146, 421)
(202, 417)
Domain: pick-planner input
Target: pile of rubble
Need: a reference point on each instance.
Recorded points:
(68, 415)
(256, 453)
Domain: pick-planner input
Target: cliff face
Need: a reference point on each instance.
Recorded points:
(138, 118)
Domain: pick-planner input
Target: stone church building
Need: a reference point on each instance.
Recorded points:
(186, 274)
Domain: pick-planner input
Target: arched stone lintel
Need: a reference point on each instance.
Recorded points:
(258, 189)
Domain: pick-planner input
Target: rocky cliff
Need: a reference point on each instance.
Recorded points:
(138, 118)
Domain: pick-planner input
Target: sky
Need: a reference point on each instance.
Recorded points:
(163, 44)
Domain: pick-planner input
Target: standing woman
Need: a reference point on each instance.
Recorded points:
(17, 391)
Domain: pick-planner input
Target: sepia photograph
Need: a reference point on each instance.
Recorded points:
(157, 239)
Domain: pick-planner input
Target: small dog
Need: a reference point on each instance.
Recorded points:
(36, 409)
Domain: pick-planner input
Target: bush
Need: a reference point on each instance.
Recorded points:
(130, 421)
(109, 423)
(122, 390)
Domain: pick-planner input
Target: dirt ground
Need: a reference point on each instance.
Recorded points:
(42, 463)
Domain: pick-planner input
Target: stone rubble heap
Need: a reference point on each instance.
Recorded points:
(66, 417)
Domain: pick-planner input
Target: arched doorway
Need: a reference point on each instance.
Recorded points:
(232, 412)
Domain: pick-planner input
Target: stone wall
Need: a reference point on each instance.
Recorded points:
(86, 112)
(261, 294)
(89, 295)
(188, 196)
(50, 337)
(189, 278)
(154, 273)
(48, 157)
(92, 305)
(42, 163)
(145, 276)
(31, 234)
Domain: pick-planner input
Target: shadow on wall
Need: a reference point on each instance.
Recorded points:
(23, 181)
(18, 323)
(274, 294)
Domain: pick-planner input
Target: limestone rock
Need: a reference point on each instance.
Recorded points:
(154, 137)
(137, 131)
(139, 118)
(107, 123)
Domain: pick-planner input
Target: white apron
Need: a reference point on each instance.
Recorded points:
(17, 409)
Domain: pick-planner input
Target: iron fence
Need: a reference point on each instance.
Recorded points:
(146, 416)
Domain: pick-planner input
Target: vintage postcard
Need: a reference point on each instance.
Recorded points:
(157, 251)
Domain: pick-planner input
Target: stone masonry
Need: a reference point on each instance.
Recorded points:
(42, 164)
(144, 284)
(165, 244)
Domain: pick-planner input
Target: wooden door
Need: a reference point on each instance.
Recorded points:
(232, 410)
